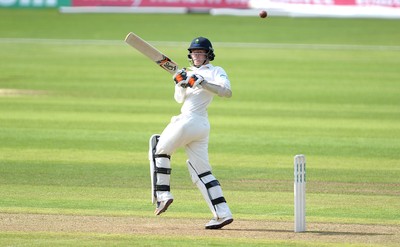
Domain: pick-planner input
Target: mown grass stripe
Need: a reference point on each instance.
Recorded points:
(221, 44)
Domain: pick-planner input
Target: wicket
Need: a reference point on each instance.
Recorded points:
(299, 193)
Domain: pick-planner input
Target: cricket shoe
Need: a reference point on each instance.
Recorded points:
(217, 223)
(162, 206)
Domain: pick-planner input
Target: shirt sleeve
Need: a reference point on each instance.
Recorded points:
(221, 78)
(180, 94)
(220, 84)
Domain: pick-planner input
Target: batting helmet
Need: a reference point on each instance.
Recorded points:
(203, 44)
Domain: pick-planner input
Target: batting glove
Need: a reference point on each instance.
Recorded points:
(195, 81)
(180, 77)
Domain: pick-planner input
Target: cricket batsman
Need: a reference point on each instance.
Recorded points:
(195, 88)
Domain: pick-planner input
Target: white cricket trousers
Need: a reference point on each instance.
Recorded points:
(191, 132)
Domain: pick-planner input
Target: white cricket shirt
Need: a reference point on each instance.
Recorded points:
(197, 100)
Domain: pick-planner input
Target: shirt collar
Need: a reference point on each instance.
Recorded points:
(203, 67)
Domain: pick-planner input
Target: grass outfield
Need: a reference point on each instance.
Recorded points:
(77, 107)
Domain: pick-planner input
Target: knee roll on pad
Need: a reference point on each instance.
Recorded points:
(159, 169)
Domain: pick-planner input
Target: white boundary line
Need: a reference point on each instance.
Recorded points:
(222, 44)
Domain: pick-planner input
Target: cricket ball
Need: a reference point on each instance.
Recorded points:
(263, 14)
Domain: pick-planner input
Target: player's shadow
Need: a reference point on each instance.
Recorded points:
(327, 233)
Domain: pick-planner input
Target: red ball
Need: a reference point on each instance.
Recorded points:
(263, 14)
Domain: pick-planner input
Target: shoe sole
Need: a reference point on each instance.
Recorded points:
(165, 207)
(227, 222)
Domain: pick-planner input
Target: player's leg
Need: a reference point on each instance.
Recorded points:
(209, 186)
(160, 171)
(162, 149)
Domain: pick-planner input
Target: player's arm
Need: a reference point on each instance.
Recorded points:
(217, 89)
(221, 87)
(180, 94)
(198, 81)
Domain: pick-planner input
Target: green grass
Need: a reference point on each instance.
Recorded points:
(81, 148)
(133, 240)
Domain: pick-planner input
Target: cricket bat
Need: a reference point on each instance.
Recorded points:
(151, 52)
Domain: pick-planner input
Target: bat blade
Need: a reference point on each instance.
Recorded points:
(151, 52)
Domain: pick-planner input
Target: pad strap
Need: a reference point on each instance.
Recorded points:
(162, 156)
(162, 170)
(218, 200)
(162, 188)
(204, 174)
(212, 184)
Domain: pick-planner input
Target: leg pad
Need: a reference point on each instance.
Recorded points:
(160, 159)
